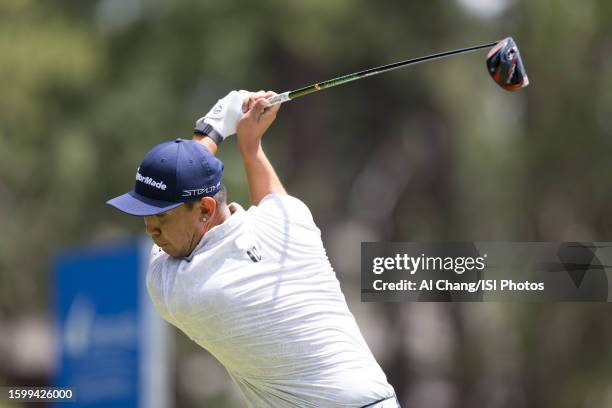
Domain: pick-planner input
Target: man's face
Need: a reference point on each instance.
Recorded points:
(175, 231)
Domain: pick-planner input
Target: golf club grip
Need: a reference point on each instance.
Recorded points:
(279, 98)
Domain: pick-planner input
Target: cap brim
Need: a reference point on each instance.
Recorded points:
(135, 204)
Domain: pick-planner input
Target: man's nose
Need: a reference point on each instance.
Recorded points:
(151, 227)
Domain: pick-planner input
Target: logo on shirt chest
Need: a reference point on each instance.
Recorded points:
(254, 254)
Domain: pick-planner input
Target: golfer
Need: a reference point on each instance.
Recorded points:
(253, 287)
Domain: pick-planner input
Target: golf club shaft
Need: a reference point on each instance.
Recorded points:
(287, 96)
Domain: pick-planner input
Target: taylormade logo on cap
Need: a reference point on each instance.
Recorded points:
(188, 170)
(149, 181)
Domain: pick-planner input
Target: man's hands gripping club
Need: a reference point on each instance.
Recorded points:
(222, 119)
(258, 118)
(227, 118)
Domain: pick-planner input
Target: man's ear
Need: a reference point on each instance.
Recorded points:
(208, 207)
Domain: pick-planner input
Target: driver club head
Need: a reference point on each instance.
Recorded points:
(505, 66)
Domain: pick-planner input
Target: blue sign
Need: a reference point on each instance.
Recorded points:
(108, 337)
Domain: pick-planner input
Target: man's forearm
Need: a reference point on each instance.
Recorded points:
(260, 174)
(205, 141)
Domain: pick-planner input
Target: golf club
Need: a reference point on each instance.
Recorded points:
(504, 64)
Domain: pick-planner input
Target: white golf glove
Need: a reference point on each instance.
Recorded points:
(221, 121)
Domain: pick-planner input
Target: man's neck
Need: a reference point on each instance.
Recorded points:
(220, 216)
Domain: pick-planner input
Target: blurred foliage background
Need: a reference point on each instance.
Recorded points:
(431, 153)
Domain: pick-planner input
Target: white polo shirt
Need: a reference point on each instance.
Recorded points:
(259, 293)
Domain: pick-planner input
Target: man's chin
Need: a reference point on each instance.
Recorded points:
(175, 255)
(170, 252)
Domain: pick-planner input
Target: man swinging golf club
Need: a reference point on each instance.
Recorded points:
(253, 287)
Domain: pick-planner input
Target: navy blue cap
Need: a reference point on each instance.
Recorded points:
(170, 174)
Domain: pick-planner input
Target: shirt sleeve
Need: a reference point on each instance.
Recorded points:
(284, 220)
(283, 208)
